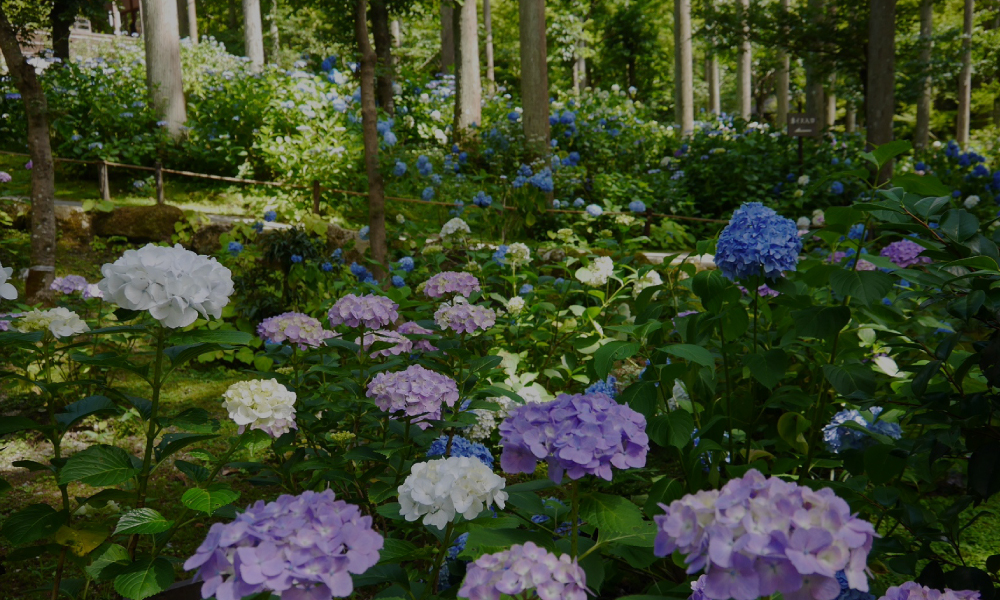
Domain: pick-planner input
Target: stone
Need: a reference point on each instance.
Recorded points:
(348, 239)
(206, 239)
(138, 223)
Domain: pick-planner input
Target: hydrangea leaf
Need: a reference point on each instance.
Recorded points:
(144, 578)
(100, 466)
(84, 408)
(210, 499)
(142, 520)
(32, 524)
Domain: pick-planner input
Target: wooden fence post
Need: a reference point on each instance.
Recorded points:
(102, 180)
(647, 228)
(316, 194)
(159, 182)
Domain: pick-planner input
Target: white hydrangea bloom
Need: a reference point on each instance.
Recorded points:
(61, 321)
(454, 226)
(487, 420)
(803, 180)
(597, 273)
(650, 279)
(262, 404)
(971, 202)
(518, 254)
(515, 305)
(438, 490)
(175, 285)
(7, 291)
(679, 394)
(803, 223)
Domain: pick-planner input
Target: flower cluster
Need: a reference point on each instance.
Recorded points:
(462, 317)
(515, 305)
(461, 447)
(400, 344)
(455, 226)
(7, 290)
(92, 291)
(597, 273)
(69, 284)
(304, 546)
(370, 311)
(838, 437)
(757, 241)
(62, 322)
(451, 282)
(440, 489)
(295, 328)
(911, 590)
(648, 280)
(757, 536)
(522, 568)
(486, 420)
(518, 254)
(608, 387)
(905, 253)
(262, 404)
(412, 328)
(578, 434)
(175, 285)
(416, 391)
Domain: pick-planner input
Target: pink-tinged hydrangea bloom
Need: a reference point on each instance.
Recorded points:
(580, 434)
(92, 291)
(295, 328)
(370, 311)
(905, 253)
(451, 282)
(912, 590)
(757, 536)
(417, 391)
(401, 345)
(5, 177)
(304, 547)
(411, 328)
(521, 569)
(462, 317)
(69, 284)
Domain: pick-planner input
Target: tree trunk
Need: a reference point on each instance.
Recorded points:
(965, 80)
(815, 97)
(744, 64)
(61, 16)
(881, 88)
(231, 6)
(468, 84)
(116, 19)
(383, 51)
(850, 117)
(488, 30)
(580, 67)
(712, 74)
(369, 123)
(192, 19)
(684, 107)
(925, 95)
(830, 109)
(782, 83)
(534, 77)
(447, 36)
(274, 33)
(43, 187)
(163, 63)
(397, 33)
(253, 34)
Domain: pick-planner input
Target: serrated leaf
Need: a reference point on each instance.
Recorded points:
(172, 442)
(612, 515)
(822, 322)
(210, 499)
(143, 521)
(80, 541)
(12, 424)
(791, 428)
(606, 355)
(767, 368)
(959, 224)
(107, 561)
(691, 352)
(100, 466)
(851, 380)
(867, 287)
(83, 408)
(144, 578)
(196, 472)
(33, 523)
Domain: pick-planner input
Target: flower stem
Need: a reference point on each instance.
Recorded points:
(152, 430)
(439, 561)
(574, 542)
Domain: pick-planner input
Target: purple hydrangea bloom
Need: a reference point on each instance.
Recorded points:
(757, 241)
(401, 345)
(304, 546)
(451, 282)
(577, 434)
(838, 437)
(92, 291)
(461, 317)
(911, 590)
(371, 311)
(295, 328)
(905, 253)
(417, 391)
(411, 328)
(757, 536)
(5, 177)
(6, 318)
(520, 569)
(69, 284)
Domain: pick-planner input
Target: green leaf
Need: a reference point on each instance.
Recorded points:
(486, 364)
(890, 150)
(202, 336)
(821, 322)
(172, 442)
(709, 286)
(606, 355)
(959, 224)
(672, 429)
(923, 185)
(83, 540)
(965, 307)
(5, 486)
(882, 464)
(867, 287)
(641, 397)
(692, 353)
(33, 523)
(208, 500)
(142, 520)
(791, 428)
(394, 550)
(179, 355)
(984, 470)
(616, 518)
(734, 321)
(84, 408)
(100, 466)
(144, 578)
(767, 368)
(12, 424)
(108, 560)
(486, 541)
(664, 491)
(196, 472)
(851, 380)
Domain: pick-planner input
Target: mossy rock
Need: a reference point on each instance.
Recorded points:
(139, 223)
(347, 239)
(205, 240)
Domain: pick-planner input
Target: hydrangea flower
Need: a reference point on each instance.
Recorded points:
(296, 258)
(594, 210)
(262, 404)
(597, 273)
(905, 253)
(518, 254)
(608, 387)
(370, 311)
(649, 279)
(304, 546)
(837, 188)
(482, 200)
(911, 590)
(428, 194)
(397, 281)
(461, 447)
(400, 169)
(462, 317)
(455, 226)
(295, 328)
(500, 255)
(92, 291)
(486, 419)
(416, 391)
(406, 264)
(577, 434)
(270, 216)
(757, 241)
(7, 290)
(838, 437)
(971, 201)
(5, 177)
(439, 490)
(401, 345)
(526, 289)
(363, 232)
(235, 248)
(69, 284)
(521, 569)
(175, 285)
(326, 267)
(515, 305)
(637, 206)
(579, 202)
(60, 321)
(411, 328)
(757, 536)
(451, 282)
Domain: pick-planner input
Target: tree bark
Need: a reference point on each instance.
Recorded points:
(253, 34)
(163, 63)
(830, 108)
(880, 96)
(61, 16)
(116, 19)
(488, 30)
(782, 82)
(850, 117)
(534, 77)
(684, 106)
(447, 36)
(925, 95)
(397, 33)
(369, 124)
(744, 64)
(580, 66)
(468, 84)
(965, 80)
(192, 19)
(182, 19)
(274, 33)
(815, 97)
(383, 51)
(712, 74)
(43, 187)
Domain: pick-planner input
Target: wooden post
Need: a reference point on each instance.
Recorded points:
(102, 181)
(317, 190)
(159, 182)
(647, 228)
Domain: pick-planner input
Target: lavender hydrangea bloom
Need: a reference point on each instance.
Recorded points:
(462, 317)
(577, 434)
(912, 590)
(69, 284)
(520, 569)
(371, 311)
(757, 536)
(400, 344)
(461, 447)
(757, 241)
(295, 328)
(905, 253)
(451, 282)
(304, 547)
(416, 391)
(838, 437)
(411, 328)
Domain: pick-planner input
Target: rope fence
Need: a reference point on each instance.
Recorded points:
(317, 189)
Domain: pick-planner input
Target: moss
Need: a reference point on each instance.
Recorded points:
(139, 223)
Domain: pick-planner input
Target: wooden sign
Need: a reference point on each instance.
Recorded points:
(802, 125)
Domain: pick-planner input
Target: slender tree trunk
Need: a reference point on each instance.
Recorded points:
(468, 84)
(684, 107)
(447, 36)
(712, 74)
(965, 79)
(192, 19)
(534, 77)
(253, 33)
(61, 16)
(744, 64)
(369, 123)
(925, 95)
(880, 98)
(163, 63)
(274, 33)
(379, 13)
(782, 82)
(850, 117)
(580, 67)
(231, 6)
(397, 34)
(43, 187)
(116, 19)
(488, 30)
(830, 118)
(815, 93)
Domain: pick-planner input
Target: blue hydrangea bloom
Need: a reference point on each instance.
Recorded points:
(920, 166)
(553, 120)
(500, 256)
(956, 194)
(578, 202)
(514, 117)
(559, 281)
(397, 281)
(846, 593)
(543, 180)
(594, 210)
(258, 227)
(436, 179)
(837, 437)
(400, 169)
(427, 194)
(363, 232)
(526, 289)
(518, 182)
(337, 256)
(424, 166)
(296, 258)
(270, 216)
(482, 200)
(235, 248)
(757, 241)
(458, 546)
(637, 206)
(606, 387)
(835, 161)
(980, 170)
(406, 264)
(359, 271)
(857, 231)
(837, 188)
(525, 171)
(461, 447)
